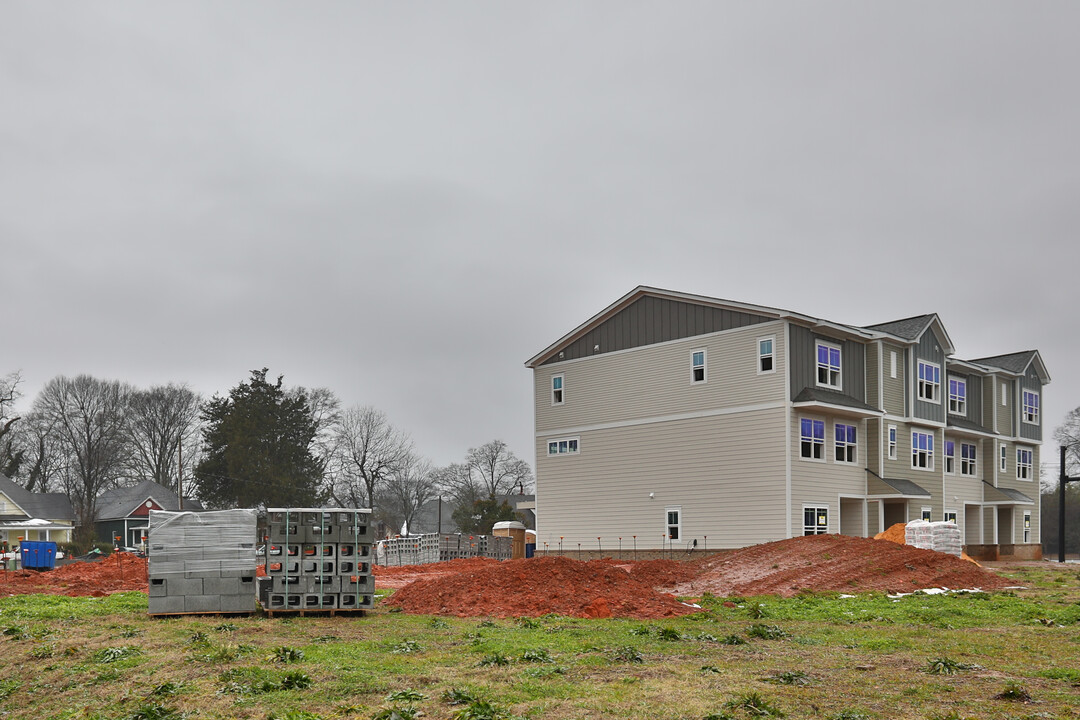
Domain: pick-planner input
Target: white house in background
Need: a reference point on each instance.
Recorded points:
(675, 418)
(33, 516)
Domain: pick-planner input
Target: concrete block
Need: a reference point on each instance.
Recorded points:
(202, 603)
(288, 584)
(285, 601)
(184, 586)
(221, 586)
(165, 605)
(158, 587)
(326, 584)
(356, 602)
(283, 567)
(238, 603)
(354, 584)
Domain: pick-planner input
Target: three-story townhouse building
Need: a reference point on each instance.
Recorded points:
(668, 419)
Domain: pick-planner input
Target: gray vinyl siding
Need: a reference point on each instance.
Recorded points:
(1008, 479)
(988, 406)
(651, 320)
(929, 480)
(873, 376)
(1028, 431)
(989, 523)
(973, 409)
(894, 390)
(820, 483)
(965, 489)
(873, 445)
(727, 472)
(655, 381)
(1005, 413)
(804, 363)
(929, 349)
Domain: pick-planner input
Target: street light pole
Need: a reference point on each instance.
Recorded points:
(1062, 481)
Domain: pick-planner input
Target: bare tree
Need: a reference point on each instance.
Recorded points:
(43, 459)
(87, 418)
(163, 429)
(1068, 434)
(10, 455)
(496, 472)
(368, 450)
(408, 487)
(326, 412)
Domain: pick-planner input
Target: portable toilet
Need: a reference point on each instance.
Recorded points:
(516, 532)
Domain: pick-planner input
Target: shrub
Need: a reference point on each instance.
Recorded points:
(284, 654)
(406, 647)
(295, 680)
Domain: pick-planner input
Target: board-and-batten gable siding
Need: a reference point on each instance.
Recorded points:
(988, 409)
(873, 376)
(1006, 412)
(814, 482)
(803, 354)
(873, 444)
(894, 390)
(1030, 381)
(655, 381)
(973, 407)
(929, 349)
(650, 320)
(726, 472)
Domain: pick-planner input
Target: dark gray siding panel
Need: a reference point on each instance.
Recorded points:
(973, 412)
(652, 320)
(1029, 382)
(929, 350)
(802, 356)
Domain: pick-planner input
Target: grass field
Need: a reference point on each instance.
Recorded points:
(1012, 654)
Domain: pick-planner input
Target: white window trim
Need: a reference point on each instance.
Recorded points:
(824, 439)
(562, 390)
(1030, 466)
(945, 516)
(668, 526)
(1004, 395)
(817, 508)
(931, 465)
(817, 366)
(855, 454)
(761, 356)
(945, 455)
(1003, 458)
(962, 403)
(704, 366)
(892, 364)
(974, 460)
(926, 513)
(1026, 528)
(918, 383)
(1024, 407)
(567, 440)
(892, 442)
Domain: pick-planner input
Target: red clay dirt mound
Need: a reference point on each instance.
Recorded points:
(834, 563)
(534, 587)
(400, 576)
(117, 573)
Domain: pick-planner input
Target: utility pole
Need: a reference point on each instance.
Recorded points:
(1061, 506)
(180, 474)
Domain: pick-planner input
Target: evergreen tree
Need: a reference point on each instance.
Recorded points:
(258, 448)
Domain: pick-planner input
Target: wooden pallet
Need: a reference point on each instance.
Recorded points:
(316, 612)
(223, 613)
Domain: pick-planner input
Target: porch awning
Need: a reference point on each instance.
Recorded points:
(1004, 496)
(833, 402)
(877, 486)
(34, 524)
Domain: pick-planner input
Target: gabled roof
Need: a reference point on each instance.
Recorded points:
(643, 290)
(119, 503)
(1016, 363)
(47, 506)
(912, 328)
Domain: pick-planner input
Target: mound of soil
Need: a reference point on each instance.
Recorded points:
(392, 578)
(117, 573)
(896, 533)
(534, 587)
(835, 563)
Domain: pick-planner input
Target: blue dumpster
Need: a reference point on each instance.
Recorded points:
(530, 549)
(38, 555)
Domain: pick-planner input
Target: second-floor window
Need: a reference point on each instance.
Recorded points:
(828, 365)
(1031, 407)
(967, 459)
(929, 382)
(1003, 457)
(957, 396)
(922, 450)
(697, 366)
(565, 446)
(557, 390)
(812, 439)
(950, 457)
(766, 361)
(846, 443)
(1023, 463)
(892, 442)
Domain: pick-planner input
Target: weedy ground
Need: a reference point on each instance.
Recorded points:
(1012, 654)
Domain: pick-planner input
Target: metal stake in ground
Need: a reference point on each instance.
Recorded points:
(1062, 481)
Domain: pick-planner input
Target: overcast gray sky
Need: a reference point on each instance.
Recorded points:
(404, 201)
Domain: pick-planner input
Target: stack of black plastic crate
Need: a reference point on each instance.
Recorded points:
(201, 562)
(318, 559)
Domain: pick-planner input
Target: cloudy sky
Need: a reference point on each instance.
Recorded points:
(404, 201)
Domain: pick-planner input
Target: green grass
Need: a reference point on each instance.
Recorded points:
(816, 656)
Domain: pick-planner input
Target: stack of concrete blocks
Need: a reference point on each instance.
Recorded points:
(201, 562)
(941, 537)
(415, 550)
(435, 548)
(318, 559)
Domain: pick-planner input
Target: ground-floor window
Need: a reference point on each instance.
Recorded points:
(673, 517)
(927, 514)
(815, 520)
(950, 516)
(1027, 527)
